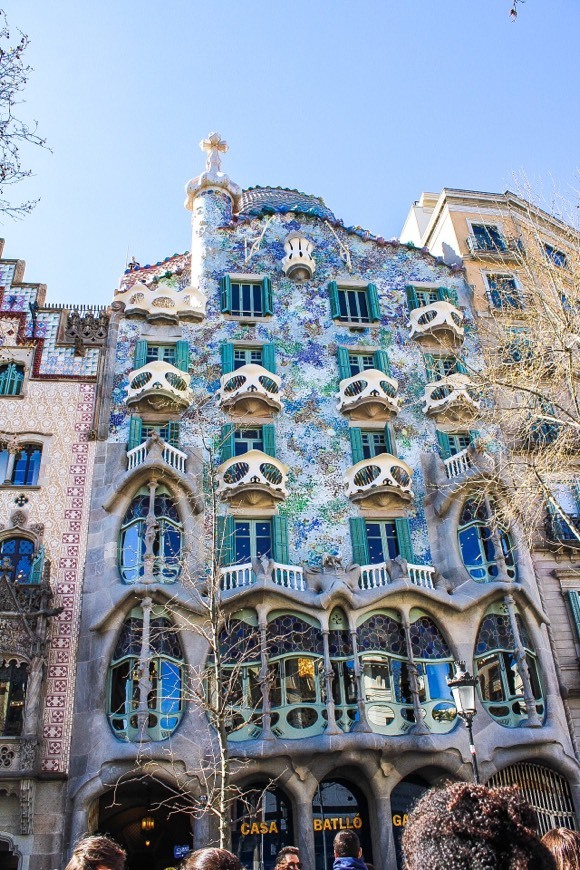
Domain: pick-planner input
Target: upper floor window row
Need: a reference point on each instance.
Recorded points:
(486, 238)
(11, 379)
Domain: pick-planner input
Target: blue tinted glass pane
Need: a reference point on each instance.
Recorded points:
(242, 542)
(437, 679)
(132, 549)
(3, 465)
(375, 543)
(470, 546)
(263, 538)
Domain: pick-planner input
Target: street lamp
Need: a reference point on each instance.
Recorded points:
(462, 687)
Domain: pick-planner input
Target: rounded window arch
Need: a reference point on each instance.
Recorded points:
(498, 672)
(478, 547)
(296, 670)
(434, 663)
(11, 379)
(383, 655)
(17, 554)
(151, 539)
(145, 686)
(237, 685)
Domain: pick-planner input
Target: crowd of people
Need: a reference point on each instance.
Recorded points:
(460, 827)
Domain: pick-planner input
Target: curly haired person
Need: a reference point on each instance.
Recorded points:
(472, 827)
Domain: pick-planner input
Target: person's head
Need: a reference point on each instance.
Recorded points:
(97, 853)
(564, 845)
(472, 827)
(289, 856)
(347, 845)
(211, 859)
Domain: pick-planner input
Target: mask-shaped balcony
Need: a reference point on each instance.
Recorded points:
(253, 479)
(371, 395)
(298, 264)
(159, 385)
(440, 320)
(383, 481)
(250, 390)
(453, 399)
(163, 303)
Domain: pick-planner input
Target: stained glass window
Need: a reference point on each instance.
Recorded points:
(155, 515)
(477, 545)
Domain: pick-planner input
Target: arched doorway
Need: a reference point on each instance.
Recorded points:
(148, 821)
(544, 789)
(339, 806)
(403, 798)
(9, 856)
(261, 826)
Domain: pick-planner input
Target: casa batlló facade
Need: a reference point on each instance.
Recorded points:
(287, 409)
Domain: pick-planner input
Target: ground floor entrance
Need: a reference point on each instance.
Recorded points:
(337, 806)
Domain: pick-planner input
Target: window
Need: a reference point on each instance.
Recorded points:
(419, 297)
(504, 291)
(352, 362)
(344, 692)
(165, 352)
(173, 354)
(22, 468)
(438, 367)
(518, 348)
(13, 679)
(477, 546)
(375, 541)
(563, 525)
(354, 304)
(452, 443)
(154, 553)
(544, 427)
(248, 439)
(240, 541)
(11, 379)
(20, 555)
(163, 678)
(496, 666)
(244, 356)
(237, 440)
(366, 443)
(557, 257)
(241, 665)
(487, 237)
(235, 356)
(247, 298)
(139, 432)
(252, 540)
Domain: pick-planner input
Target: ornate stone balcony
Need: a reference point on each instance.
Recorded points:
(250, 390)
(174, 457)
(440, 320)
(382, 481)
(253, 479)
(453, 399)
(159, 385)
(371, 395)
(162, 302)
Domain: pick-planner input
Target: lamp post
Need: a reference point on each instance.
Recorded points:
(462, 687)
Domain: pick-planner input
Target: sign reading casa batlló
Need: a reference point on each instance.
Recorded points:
(334, 823)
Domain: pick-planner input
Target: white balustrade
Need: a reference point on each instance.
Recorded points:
(369, 394)
(250, 389)
(289, 576)
(435, 319)
(171, 455)
(376, 576)
(162, 302)
(459, 464)
(421, 575)
(237, 576)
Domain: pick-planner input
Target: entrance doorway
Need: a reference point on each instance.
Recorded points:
(261, 826)
(339, 806)
(403, 798)
(8, 859)
(143, 817)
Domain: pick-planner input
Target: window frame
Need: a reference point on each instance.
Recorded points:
(17, 379)
(264, 282)
(341, 313)
(556, 256)
(494, 293)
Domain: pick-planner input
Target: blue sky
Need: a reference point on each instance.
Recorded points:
(363, 103)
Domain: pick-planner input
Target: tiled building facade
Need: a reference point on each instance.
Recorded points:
(310, 381)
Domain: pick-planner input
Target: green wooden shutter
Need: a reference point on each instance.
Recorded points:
(226, 293)
(381, 361)
(135, 427)
(140, 353)
(227, 448)
(412, 300)
(269, 439)
(267, 298)
(404, 538)
(358, 536)
(333, 296)
(280, 540)
(574, 599)
(182, 356)
(35, 575)
(432, 374)
(227, 354)
(269, 357)
(226, 545)
(444, 445)
(449, 293)
(390, 441)
(356, 445)
(343, 363)
(173, 433)
(373, 302)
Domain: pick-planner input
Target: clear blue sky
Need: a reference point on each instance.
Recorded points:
(363, 103)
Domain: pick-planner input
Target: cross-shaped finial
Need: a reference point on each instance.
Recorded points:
(213, 145)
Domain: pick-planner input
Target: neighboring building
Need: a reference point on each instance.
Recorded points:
(324, 369)
(49, 364)
(508, 248)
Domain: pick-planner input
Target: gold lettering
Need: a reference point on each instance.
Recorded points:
(273, 828)
(326, 825)
(244, 829)
(405, 818)
(335, 823)
(255, 829)
(357, 822)
(397, 820)
(317, 824)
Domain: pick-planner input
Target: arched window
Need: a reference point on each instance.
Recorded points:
(19, 553)
(434, 663)
(13, 679)
(478, 550)
(151, 537)
(500, 683)
(238, 684)
(342, 660)
(145, 690)
(385, 673)
(296, 657)
(27, 465)
(11, 379)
